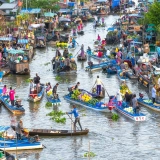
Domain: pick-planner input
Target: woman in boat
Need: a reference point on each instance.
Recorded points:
(37, 82)
(74, 31)
(82, 51)
(99, 38)
(5, 91)
(119, 98)
(65, 53)
(135, 104)
(48, 87)
(54, 91)
(58, 53)
(11, 95)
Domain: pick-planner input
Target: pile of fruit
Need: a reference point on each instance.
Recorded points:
(62, 45)
(147, 101)
(84, 96)
(129, 109)
(124, 88)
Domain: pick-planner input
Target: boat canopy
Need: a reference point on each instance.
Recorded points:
(49, 14)
(64, 11)
(111, 29)
(61, 19)
(101, 1)
(40, 37)
(4, 128)
(14, 51)
(37, 25)
(22, 41)
(31, 10)
(5, 38)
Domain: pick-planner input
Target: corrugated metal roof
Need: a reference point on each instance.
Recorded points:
(8, 5)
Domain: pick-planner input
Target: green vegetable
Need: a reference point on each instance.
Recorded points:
(28, 80)
(115, 117)
(89, 154)
(48, 105)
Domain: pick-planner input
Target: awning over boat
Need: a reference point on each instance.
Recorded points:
(5, 39)
(31, 10)
(49, 14)
(22, 41)
(37, 25)
(64, 11)
(101, 1)
(16, 52)
(40, 37)
(71, 4)
(4, 128)
(61, 19)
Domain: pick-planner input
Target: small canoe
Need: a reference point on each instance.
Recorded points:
(37, 97)
(54, 132)
(121, 77)
(103, 58)
(131, 75)
(148, 103)
(127, 111)
(96, 67)
(53, 101)
(80, 58)
(102, 108)
(71, 72)
(143, 80)
(17, 109)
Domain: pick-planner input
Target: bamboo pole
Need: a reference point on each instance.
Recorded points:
(89, 151)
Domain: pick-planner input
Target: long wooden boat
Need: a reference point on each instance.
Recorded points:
(102, 108)
(80, 58)
(143, 80)
(35, 97)
(54, 132)
(17, 109)
(80, 32)
(148, 103)
(95, 95)
(53, 101)
(127, 111)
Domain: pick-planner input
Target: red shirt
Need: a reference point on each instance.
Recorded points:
(99, 54)
(11, 94)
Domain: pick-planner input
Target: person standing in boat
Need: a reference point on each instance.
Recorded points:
(5, 91)
(19, 129)
(54, 91)
(37, 82)
(153, 94)
(31, 86)
(73, 42)
(48, 87)
(65, 53)
(77, 118)
(134, 104)
(12, 95)
(98, 83)
(82, 50)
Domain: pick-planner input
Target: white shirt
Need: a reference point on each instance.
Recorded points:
(98, 81)
(108, 52)
(119, 97)
(153, 92)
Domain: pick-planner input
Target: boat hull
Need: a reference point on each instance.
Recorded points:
(101, 109)
(53, 101)
(52, 132)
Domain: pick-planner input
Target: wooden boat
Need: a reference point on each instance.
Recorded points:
(18, 65)
(144, 80)
(6, 156)
(95, 67)
(103, 58)
(16, 109)
(101, 108)
(127, 111)
(121, 76)
(53, 101)
(94, 92)
(54, 132)
(148, 103)
(80, 58)
(35, 97)
(111, 68)
(40, 42)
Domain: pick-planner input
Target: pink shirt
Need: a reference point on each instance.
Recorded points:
(11, 95)
(4, 91)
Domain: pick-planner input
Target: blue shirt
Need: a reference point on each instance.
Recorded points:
(75, 112)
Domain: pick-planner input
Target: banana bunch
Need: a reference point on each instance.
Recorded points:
(124, 89)
(85, 97)
(63, 45)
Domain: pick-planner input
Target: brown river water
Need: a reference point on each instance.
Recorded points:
(121, 140)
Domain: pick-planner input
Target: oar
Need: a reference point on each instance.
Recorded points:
(72, 120)
(105, 90)
(76, 53)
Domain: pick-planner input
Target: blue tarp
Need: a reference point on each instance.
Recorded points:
(16, 51)
(5, 39)
(31, 10)
(71, 4)
(22, 41)
(64, 11)
(4, 128)
(115, 3)
(111, 29)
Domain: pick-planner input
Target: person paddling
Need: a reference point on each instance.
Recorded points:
(54, 91)
(98, 82)
(11, 96)
(77, 118)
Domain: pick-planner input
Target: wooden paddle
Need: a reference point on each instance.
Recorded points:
(76, 53)
(72, 120)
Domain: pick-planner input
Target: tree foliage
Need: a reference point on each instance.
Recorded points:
(43, 4)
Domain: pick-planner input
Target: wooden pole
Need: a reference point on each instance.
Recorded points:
(89, 151)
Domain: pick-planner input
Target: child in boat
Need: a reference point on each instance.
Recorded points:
(5, 91)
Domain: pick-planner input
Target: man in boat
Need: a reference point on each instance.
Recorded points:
(67, 64)
(37, 82)
(65, 53)
(98, 83)
(11, 96)
(82, 51)
(77, 118)
(135, 104)
(31, 86)
(128, 98)
(153, 94)
(54, 91)
(19, 129)
(73, 42)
